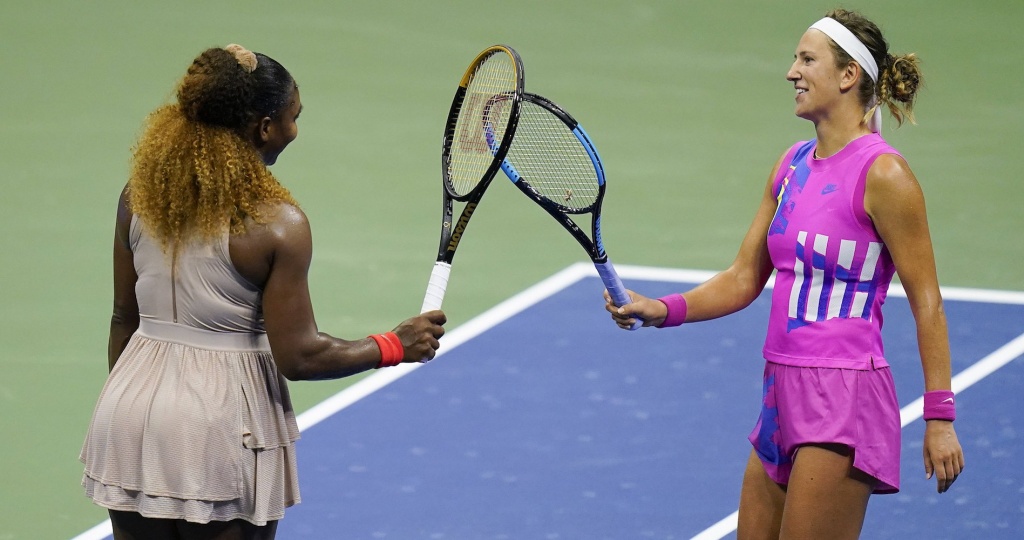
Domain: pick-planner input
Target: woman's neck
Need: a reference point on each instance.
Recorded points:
(834, 134)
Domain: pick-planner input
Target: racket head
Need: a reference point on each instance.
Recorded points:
(554, 162)
(487, 100)
(556, 158)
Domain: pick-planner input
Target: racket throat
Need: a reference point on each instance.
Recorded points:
(460, 228)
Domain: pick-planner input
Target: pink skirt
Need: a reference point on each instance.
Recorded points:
(807, 405)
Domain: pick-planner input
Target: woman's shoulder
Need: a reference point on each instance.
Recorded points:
(891, 183)
(280, 235)
(275, 224)
(281, 213)
(892, 170)
(266, 215)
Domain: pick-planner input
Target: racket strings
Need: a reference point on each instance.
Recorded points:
(552, 159)
(486, 106)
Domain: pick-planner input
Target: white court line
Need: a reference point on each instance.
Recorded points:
(100, 531)
(963, 380)
(574, 273)
(725, 526)
(451, 340)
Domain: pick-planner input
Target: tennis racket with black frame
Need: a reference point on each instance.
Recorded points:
(553, 161)
(478, 132)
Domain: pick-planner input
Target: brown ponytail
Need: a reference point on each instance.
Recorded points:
(899, 81)
(899, 77)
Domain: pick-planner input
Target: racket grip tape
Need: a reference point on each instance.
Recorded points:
(436, 286)
(615, 288)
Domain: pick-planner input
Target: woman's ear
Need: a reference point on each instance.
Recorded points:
(850, 76)
(263, 126)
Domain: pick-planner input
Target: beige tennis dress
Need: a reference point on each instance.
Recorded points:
(194, 421)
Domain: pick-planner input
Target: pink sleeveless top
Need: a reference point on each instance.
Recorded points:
(833, 271)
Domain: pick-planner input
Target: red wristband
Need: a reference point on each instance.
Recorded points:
(391, 350)
(939, 405)
(676, 305)
(396, 346)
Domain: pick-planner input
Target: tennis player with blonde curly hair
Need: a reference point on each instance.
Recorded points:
(193, 433)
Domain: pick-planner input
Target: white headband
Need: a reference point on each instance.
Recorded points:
(853, 47)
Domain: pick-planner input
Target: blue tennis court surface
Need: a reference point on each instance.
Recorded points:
(542, 420)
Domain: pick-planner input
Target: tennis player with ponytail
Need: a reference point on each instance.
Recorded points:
(839, 216)
(193, 433)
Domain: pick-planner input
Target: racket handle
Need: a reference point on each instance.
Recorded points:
(436, 286)
(615, 288)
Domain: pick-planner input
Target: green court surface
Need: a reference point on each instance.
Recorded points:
(687, 102)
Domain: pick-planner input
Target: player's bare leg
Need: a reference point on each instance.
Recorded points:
(761, 504)
(826, 496)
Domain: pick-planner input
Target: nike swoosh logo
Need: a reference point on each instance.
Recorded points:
(949, 399)
(829, 189)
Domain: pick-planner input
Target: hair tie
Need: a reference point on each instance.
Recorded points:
(245, 57)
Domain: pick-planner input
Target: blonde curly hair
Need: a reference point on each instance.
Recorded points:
(193, 171)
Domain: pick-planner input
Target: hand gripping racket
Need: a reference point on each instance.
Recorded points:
(487, 100)
(553, 162)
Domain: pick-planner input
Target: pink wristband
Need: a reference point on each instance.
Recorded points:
(939, 405)
(391, 350)
(676, 305)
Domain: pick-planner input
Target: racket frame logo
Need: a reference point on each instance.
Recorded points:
(461, 226)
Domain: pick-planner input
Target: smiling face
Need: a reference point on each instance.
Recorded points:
(815, 76)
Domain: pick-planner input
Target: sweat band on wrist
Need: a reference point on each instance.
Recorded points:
(391, 350)
(676, 305)
(939, 405)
